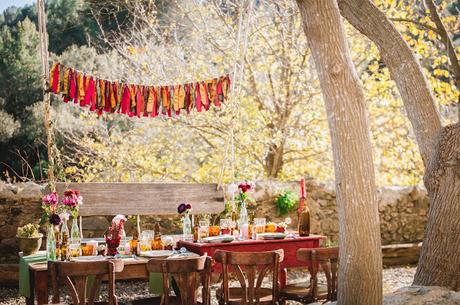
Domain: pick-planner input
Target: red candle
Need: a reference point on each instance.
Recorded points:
(302, 188)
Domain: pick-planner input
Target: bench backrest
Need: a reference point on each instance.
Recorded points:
(106, 199)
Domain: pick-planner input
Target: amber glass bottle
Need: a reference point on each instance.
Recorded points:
(157, 243)
(65, 247)
(196, 230)
(134, 243)
(234, 220)
(303, 217)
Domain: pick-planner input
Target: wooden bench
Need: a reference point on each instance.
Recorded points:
(143, 199)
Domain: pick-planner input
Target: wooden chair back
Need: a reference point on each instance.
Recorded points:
(75, 277)
(255, 266)
(328, 260)
(187, 273)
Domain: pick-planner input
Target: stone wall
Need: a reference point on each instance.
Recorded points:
(402, 210)
(402, 213)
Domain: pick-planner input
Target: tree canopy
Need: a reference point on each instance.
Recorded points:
(280, 128)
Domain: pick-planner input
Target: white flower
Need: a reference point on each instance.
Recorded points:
(232, 189)
(64, 216)
(116, 220)
(288, 220)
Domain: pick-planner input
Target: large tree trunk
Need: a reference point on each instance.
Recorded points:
(360, 258)
(440, 260)
(439, 264)
(404, 68)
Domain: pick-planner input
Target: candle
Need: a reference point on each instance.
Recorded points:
(302, 188)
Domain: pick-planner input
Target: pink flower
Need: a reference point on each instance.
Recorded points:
(50, 199)
(72, 198)
(244, 187)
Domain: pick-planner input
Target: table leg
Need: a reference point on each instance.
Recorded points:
(41, 287)
(31, 299)
(282, 279)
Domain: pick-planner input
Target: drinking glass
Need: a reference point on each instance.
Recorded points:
(203, 229)
(214, 230)
(225, 226)
(74, 250)
(259, 224)
(146, 244)
(87, 250)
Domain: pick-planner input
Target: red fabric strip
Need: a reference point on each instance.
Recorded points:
(198, 97)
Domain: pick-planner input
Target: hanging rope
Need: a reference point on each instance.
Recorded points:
(46, 95)
(238, 74)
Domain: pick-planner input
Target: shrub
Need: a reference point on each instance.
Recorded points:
(28, 230)
(285, 202)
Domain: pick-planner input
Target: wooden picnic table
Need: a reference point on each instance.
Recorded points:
(290, 245)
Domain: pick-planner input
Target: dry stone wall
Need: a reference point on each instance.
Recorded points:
(403, 212)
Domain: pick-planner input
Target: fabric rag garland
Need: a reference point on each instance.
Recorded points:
(102, 95)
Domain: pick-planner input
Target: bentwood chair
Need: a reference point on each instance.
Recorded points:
(325, 258)
(186, 273)
(250, 269)
(75, 276)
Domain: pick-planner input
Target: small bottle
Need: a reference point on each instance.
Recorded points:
(196, 231)
(157, 243)
(251, 226)
(51, 244)
(235, 221)
(134, 244)
(303, 213)
(65, 246)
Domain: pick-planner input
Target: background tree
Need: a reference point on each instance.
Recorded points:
(360, 268)
(439, 265)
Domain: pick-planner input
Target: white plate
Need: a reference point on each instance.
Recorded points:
(93, 258)
(156, 253)
(219, 239)
(270, 236)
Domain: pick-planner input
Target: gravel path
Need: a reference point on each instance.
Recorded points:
(393, 279)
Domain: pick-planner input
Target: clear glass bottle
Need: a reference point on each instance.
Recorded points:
(187, 227)
(75, 237)
(51, 244)
(243, 222)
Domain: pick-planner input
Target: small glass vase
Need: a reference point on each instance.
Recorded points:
(75, 237)
(187, 227)
(51, 243)
(243, 221)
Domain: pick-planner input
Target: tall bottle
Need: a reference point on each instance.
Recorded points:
(234, 225)
(196, 230)
(75, 237)
(243, 222)
(303, 213)
(187, 227)
(51, 244)
(65, 242)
